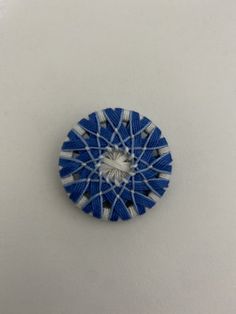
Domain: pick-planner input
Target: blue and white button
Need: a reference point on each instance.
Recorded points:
(115, 164)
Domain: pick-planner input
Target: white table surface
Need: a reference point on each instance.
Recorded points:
(174, 61)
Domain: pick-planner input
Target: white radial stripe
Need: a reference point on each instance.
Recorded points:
(133, 212)
(154, 196)
(126, 115)
(101, 116)
(67, 180)
(164, 150)
(82, 201)
(66, 154)
(150, 128)
(164, 176)
(106, 213)
(79, 129)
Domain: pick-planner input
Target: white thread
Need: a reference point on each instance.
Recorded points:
(82, 201)
(67, 180)
(116, 165)
(132, 211)
(101, 116)
(65, 154)
(79, 129)
(150, 128)
(164, 176)
(164, 150)
(106, 212)
(126, 115)
(154, 196)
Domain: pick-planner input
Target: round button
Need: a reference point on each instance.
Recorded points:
(115, 164)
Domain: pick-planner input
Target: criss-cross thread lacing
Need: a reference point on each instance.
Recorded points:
(115, 164)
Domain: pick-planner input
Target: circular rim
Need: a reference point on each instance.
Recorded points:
(82, 131)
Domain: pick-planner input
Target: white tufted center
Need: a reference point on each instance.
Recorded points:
(116, 165)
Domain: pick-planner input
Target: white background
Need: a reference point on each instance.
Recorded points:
(174, 61)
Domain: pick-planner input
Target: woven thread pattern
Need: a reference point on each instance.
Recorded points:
(137, 181)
